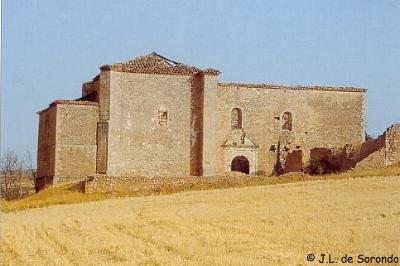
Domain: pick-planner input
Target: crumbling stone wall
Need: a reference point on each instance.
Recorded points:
(392, 145)
(373, 160)
(382, 151)
(321, 117)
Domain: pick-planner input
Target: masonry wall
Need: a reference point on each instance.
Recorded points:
(321, 118)
(196, 125)
(46, 142)
(137, 143)
(76, 140)
(210, 125)
(392, 145)
(103, 86)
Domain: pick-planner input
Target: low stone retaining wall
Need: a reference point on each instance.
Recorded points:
(148, 185)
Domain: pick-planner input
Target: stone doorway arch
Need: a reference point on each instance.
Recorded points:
(240, 164)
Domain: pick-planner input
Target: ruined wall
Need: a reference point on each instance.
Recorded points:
(150, 124)
(320, 118)
(91, 86)
(392, 145)
(382, 151)
(46, 142)
(368, 147)
(76, 139)
(373, 160)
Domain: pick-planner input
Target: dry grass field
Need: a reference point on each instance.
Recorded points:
(71, 192)
(260, 225)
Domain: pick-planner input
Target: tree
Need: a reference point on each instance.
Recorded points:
(9, 164)
(33, 173)
(14, 172)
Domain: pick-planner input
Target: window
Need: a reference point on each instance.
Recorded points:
(287, 121)
(162, 116)
(236, 118)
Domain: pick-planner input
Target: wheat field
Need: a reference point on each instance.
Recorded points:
(263, 225)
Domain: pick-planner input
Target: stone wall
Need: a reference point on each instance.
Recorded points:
(382, 151)
(152, 116)
(373, 160)
(76, 139)
(91, 86)
(102, 84)
(138, 185)
(392, 145)
(321, 117)
(150, 124)
(196, 125)
(210, 126)
(67, 141)
(47, 142)
(368, 147)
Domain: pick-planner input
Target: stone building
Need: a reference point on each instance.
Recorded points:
(152, 116)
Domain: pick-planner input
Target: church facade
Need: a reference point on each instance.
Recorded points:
(152, 116)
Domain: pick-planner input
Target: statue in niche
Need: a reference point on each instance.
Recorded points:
(236, 118)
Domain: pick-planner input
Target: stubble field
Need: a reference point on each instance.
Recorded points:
(264, 225)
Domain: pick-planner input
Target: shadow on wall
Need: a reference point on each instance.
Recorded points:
(326, 161)
(380, 152)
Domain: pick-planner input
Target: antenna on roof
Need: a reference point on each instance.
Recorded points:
(166, 59)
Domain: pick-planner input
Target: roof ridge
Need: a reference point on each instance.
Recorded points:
(292, 87)
(155, 63)
(165, 58)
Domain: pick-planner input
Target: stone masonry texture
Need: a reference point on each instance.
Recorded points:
(152, 116)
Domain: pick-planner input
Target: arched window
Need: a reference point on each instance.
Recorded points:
(287, 121)
(236, 118)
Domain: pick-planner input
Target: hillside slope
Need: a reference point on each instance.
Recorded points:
(264, 225)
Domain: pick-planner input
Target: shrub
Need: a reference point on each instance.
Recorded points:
(322, 166)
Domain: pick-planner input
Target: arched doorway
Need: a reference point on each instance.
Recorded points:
(240, 164)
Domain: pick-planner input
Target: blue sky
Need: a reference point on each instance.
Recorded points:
(50, 47)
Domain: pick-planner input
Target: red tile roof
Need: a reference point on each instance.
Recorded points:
(157, 64)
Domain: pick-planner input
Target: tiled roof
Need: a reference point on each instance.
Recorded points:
(284, 87)
(157, 64)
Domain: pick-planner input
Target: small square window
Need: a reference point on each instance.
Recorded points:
(162, 117)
